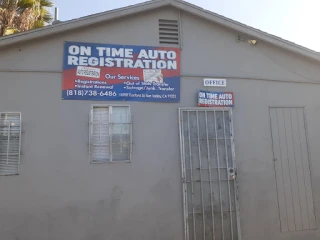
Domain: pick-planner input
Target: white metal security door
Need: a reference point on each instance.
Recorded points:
(210, 197)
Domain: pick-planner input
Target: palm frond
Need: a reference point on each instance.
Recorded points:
(47, 18)
(8, 4)
(24, 4)
(10, 31)
(23, 15)
(38, 24)
(46, 3)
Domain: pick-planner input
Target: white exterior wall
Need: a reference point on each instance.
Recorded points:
(60, 195)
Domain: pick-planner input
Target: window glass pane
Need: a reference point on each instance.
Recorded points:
(9, 143)
(121, 125)
(100, 125)
(121, 145)
(118, 130)
(120, 119)
(100, 134)
(100, 153)
(120, 114)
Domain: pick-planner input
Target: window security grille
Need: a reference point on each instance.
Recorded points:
(10, 142)
(110, 134)
(169, 32)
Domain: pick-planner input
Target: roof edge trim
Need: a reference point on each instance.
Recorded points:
(151, 5)
(237, 26)
(81, 22)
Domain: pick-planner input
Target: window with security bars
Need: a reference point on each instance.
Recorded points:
(110, 134)
(10, 142)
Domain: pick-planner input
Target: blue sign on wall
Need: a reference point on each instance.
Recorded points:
(215, 99)
(117, 72)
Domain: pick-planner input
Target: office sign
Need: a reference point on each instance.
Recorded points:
(214, 82)
(120, 73)
(215, 99)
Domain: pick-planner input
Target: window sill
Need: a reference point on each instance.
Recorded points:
(108, 162)
(9, 174)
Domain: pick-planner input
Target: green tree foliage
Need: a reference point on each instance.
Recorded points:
(22, 15)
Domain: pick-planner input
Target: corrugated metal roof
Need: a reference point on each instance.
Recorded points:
(151, 5)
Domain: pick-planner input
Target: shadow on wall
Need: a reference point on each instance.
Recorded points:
(88, 221)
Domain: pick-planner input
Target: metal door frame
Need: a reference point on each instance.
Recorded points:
(183, 168)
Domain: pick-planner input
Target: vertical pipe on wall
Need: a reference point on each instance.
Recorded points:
(56, 14)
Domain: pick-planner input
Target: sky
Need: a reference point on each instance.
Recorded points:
(294, 20)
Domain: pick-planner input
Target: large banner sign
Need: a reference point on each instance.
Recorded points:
(116, 72)
(215, 99)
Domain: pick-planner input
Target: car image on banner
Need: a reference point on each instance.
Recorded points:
(120, 73)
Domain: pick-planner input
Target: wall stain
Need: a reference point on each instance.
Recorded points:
(99, 220)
